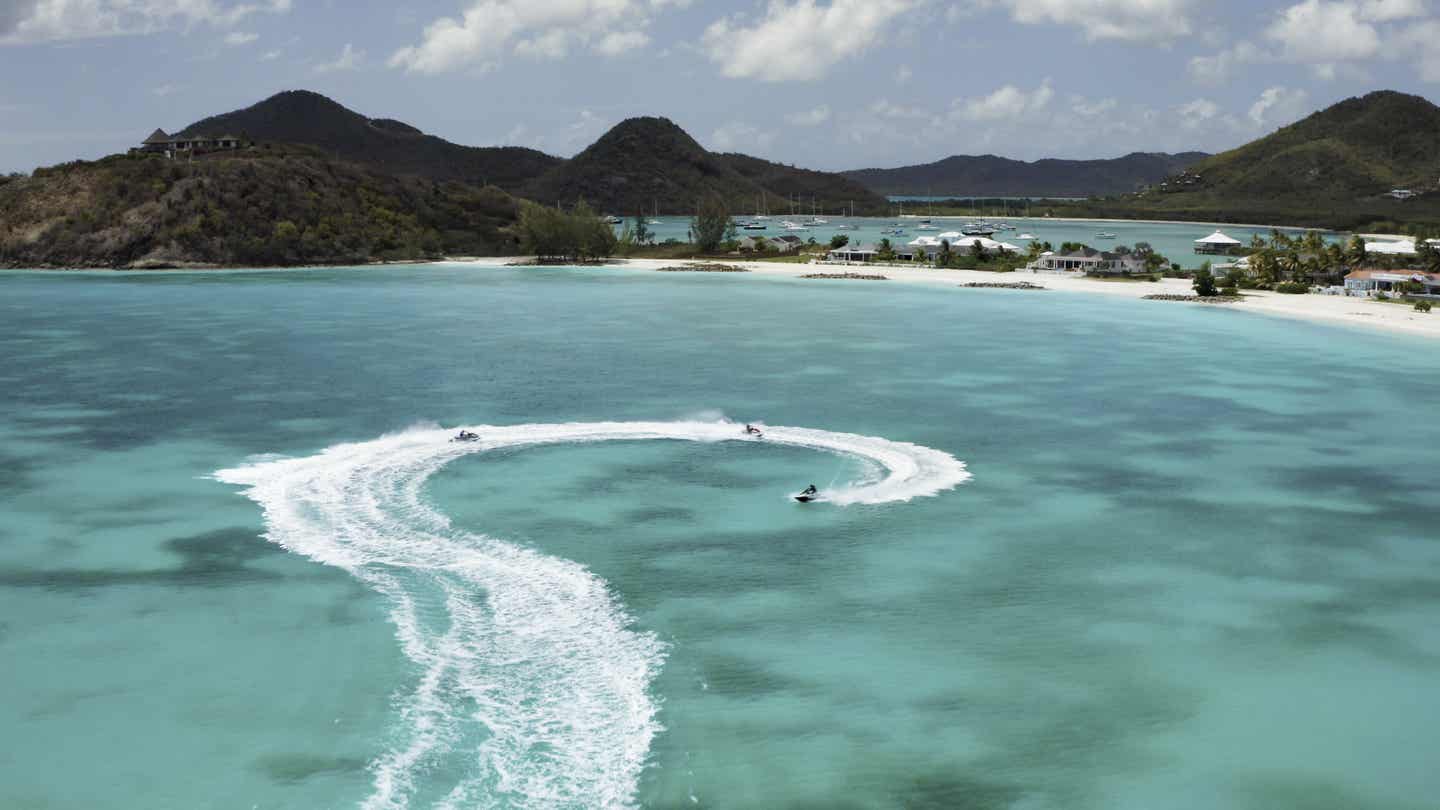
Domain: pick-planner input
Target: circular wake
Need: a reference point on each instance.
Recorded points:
(533, 655)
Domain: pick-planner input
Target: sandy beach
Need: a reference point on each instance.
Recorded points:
(1336, 310)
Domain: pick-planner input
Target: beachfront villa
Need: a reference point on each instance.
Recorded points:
(1219, 244)
(782, 244)
(1088, 261)
(853, 253)
(172, 145)
(1370, 282)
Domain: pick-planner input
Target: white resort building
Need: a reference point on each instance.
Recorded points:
(1219, 243)
(1088, 261)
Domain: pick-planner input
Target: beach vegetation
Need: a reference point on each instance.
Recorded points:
(712, 224)
(839, 240)
(1422, 306)
(576, 235)
(885, 251)
(1292, 287)
(1204, 283)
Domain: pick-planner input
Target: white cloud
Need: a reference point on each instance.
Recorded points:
(53, 20)
(1093, 109)
(737, 136)
(1216, 69)
(349, 59)
(882, 108)
(1322, 32)
(1194, 114)
(240, 38)
(164, 90)
(1278, 106)
(540, 29)
(903, 74)
(1391, 10)
(618, 42)
(269, 56)
(1007, 103)
(1420, 40)
(800, 40)
(1332, 37)
(1135, 20)
(810, 118)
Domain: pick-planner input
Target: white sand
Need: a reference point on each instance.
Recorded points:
(1331, 309)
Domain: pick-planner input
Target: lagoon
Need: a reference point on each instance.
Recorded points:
(1174, 240)
(1194, 568)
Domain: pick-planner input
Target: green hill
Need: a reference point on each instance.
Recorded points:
(394, 147)
(643, 163)
(990, 175)
(1333, 169)
(1359, 147)
(265, 207)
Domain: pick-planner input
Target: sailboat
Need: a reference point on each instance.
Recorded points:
(655, 219)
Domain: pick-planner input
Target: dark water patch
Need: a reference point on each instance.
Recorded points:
(1355, 484)
(949, 790)
(727, 674)
(16, 474)
(290, 769)
(658, 514)
(347, 608)
(221, 557)
(1282, 790)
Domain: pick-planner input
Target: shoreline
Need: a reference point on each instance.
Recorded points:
(1359, 313)
(1123, 221)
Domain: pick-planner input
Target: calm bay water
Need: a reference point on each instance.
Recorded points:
(1196, 566)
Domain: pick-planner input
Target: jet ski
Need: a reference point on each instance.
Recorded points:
(810, 494)
(466, 436)
(751, 430)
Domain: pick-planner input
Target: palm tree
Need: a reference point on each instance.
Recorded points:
(1357, 250)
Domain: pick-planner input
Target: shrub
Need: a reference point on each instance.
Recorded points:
(1292, 287)
(575, 235)
(1422, 306)
(1204, 283)
(838, 241)
(1229, 292)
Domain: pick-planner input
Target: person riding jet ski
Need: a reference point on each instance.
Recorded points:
(751, 430)
(809, 494)
(466, 436)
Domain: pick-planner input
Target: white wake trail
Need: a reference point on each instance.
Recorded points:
(535, 655)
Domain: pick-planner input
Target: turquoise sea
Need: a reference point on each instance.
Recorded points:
(241, 566)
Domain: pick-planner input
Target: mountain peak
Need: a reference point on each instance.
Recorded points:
(307, 117)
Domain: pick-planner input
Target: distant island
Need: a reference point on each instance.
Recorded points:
(301, 179)
(993, 176)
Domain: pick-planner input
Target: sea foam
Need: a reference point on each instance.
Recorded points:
(534, 656)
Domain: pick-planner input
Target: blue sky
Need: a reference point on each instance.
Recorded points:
(830, 84)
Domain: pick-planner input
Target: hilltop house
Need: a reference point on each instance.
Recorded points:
(1089, 261)
(171, 145)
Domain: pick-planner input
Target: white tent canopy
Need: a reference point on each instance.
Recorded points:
(1399, 248)
(1218, 238)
